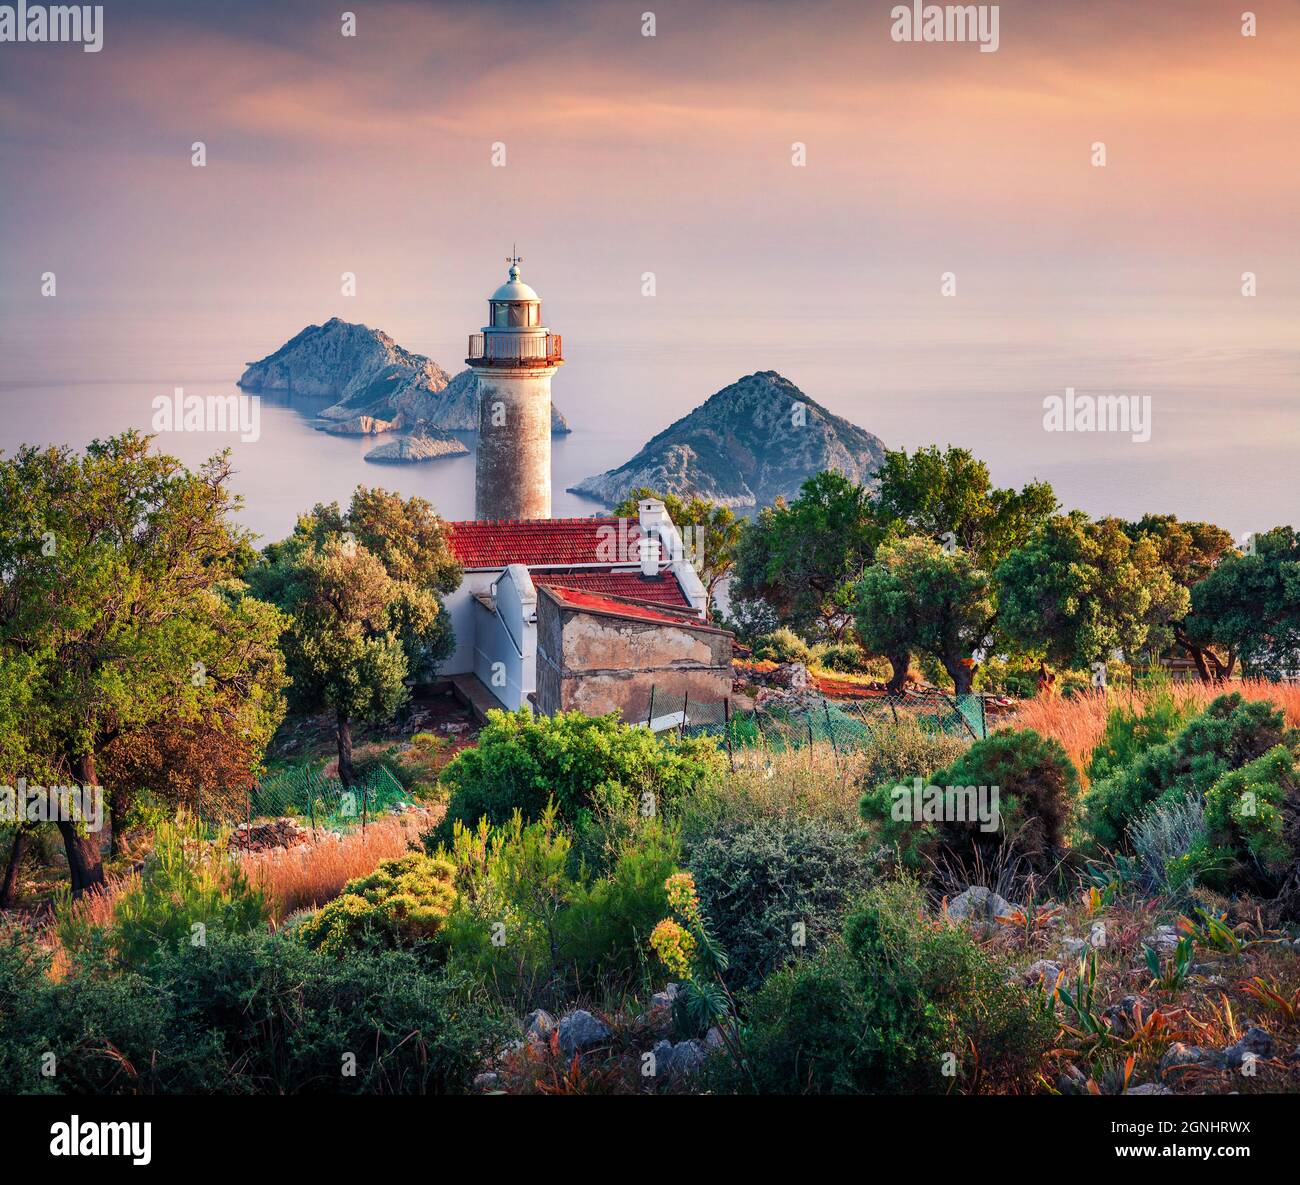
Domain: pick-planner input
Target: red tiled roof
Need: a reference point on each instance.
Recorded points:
(577, 599)
(663, 589)
(483, 543)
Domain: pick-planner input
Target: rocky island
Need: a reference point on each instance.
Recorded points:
(378, 386)
(745, 446)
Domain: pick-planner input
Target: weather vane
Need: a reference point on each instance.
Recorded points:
(514, 257)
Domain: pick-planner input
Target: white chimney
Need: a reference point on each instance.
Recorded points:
(649, 547)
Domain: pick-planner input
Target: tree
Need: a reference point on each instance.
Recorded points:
(917, 596)
(717, 533)
(1249, 607)
(121, 611)
(362, 591)
(1190, 551)
(804, 558)
(947, 496)
(1079, 590)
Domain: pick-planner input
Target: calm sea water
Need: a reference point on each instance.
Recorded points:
(1226, 455)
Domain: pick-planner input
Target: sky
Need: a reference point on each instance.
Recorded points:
(672, 155)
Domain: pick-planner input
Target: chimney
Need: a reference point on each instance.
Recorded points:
(649, 547)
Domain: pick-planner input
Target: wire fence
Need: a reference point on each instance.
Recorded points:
(811, 719)
(307, 796)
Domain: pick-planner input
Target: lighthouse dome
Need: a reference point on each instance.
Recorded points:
(515, 289)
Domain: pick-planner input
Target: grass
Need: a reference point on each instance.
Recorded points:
(1079, 721)
(309, 875)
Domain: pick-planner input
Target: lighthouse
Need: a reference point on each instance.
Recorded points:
(514, 358)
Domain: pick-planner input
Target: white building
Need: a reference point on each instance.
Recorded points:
(494, 612)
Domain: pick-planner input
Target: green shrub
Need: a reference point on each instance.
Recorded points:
(288, 1017)
(1246, 844)
(522, 762)
(843, 656)
(1230, 733)
(784, 645)
(24, 1016)
(402, 903)
(188, 886)
(901, 999)
(1036, 789)
(555, 926)
(903, 750)
(1130, 734)
(757, 880)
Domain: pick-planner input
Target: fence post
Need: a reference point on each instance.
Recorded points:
(311, 803)
(726, 731)
(686, 703)
(650, 715)
(808, 717)
(365, 800)
(984, 717)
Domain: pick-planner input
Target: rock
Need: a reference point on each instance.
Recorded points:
(1253, 1041)
(793, 675)
(424, 445)
(1045, 972)
(1071, 1080)
(978, 904)
(580, 1031)
(361, 426)
(1122, 1017)
(688, 1057)
(713, 1039)
(1164, 940)
(663, 1055)
(737, 448)
(273, 833)
(538, 1027)
(1149, 1088)
(1179, 1054)
(487, 1081)
(1073, 949)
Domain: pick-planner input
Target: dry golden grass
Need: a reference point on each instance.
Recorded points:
(1078, 722)
(311, 874)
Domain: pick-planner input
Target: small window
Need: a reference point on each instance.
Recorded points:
(518, 315)
(499, 314)
(532, 314)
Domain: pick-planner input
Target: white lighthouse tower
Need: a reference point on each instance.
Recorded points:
(514, 358)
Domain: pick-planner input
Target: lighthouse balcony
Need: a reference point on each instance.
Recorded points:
(511, 349)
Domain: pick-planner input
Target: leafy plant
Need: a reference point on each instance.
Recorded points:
(1170, 976)
(402, 903)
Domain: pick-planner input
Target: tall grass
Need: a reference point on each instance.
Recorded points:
(311, 874)
(1078, 722)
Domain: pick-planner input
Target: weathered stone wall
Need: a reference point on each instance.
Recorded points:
(596, 663)
(512, 477)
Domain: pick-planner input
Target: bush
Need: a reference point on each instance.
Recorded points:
(756, 880)
(1130, 734)
(1037, 785)
(784, 645)
(1252, 825)
(1163, 839)
(188, 886)
(521, 763)
(845, 657)
(251, 1013)
(402, 903)
(1230, 733)
(561, 926)
(24, 1019)
(881, 1011)
(903, 750)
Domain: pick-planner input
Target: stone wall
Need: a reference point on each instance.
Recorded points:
(595, 662)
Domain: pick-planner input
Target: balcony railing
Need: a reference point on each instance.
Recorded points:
(508, 349)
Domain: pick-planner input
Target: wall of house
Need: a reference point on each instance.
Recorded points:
(460, 605)
(505, 638)
(594, 663)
